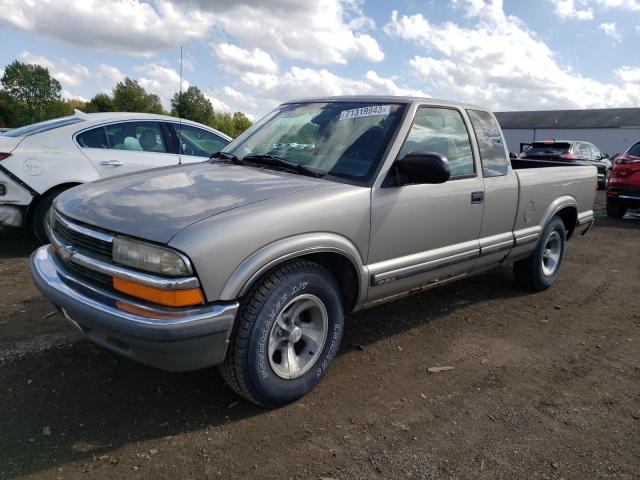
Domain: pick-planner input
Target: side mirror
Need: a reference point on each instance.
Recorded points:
(605, 155)
(419, 168)
(512, 156)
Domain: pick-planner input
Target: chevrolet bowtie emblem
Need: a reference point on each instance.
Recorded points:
(66, 251)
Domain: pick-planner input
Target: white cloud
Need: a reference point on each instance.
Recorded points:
(128, 26)
(67, 95)
(67, 73)
(235, 59)
(629, 74)
(573, 9)
(500, 63)
(111, 73)
(633, 5)
(160, 80)
(321, 32)
(610, 30)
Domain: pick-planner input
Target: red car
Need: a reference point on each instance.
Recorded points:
(623, 191)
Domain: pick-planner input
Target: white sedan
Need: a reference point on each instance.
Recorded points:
(39, 161)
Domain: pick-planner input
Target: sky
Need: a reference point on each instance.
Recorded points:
(251, 55)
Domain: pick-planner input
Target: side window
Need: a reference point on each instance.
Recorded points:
(492, 152)
(441, 130)
(198, 142)
(594, 151)
(136, 136)
(583, 150)
(94, 138)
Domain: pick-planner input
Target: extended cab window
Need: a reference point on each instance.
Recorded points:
(94, 138)
(441, 130)
(136, 136)
(198, 142)
(492, 153)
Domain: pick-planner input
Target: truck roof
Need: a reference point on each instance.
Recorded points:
(389, 99)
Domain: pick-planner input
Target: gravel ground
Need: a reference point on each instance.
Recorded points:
(543, 386)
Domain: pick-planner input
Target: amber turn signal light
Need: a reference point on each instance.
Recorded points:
(170, 298)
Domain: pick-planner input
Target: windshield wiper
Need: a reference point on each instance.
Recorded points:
(281, 162)
(226, 156)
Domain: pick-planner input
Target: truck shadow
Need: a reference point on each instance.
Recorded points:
(78, 402)
(16, 242)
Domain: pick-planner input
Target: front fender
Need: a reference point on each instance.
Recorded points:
(285, 249)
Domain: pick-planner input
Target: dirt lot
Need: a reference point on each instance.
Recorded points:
(543, 386)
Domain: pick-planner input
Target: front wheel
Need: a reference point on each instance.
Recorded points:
(540, 270)
(41, 213)
(286, 335)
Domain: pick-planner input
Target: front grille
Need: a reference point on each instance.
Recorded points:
(86, 244)
(70, 234)
(90, 276)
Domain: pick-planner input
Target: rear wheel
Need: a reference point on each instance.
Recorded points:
(286, 335)
(614, 209)
(41, 213)
(540, 270)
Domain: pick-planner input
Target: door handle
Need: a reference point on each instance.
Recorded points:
(477, 197)
(111, 163)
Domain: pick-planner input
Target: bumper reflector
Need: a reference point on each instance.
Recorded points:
(170, 298)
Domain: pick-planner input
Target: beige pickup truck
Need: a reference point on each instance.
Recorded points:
(325, 206)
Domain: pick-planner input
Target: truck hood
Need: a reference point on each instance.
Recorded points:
(156, 204)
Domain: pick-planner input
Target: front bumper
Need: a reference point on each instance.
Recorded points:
(170, 339)
(624, 195)
(12, 215)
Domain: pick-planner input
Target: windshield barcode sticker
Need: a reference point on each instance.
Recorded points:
(365, 112)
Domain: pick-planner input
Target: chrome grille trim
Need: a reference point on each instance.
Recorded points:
(104, 237)
(73, 254)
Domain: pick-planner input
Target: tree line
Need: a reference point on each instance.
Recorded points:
(30, 94)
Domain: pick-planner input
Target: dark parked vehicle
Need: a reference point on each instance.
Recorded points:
(563, 152)
(624, 188)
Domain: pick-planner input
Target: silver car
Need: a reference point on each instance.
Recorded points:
(252, 259)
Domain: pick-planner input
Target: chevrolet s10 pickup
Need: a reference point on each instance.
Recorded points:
(326, 206)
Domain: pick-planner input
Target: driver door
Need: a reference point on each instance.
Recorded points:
(422, 234)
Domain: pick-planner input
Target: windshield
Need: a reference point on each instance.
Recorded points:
(42, 126)
(555, 148)
(340, 140)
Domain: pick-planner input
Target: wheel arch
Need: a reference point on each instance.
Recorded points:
(32, 206)
(566, 208)
(334, 252)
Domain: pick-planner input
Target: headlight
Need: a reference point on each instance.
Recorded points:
(149, 257)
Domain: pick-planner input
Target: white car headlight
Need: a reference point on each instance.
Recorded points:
(149, 258)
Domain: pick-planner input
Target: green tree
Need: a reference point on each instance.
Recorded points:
(31, 87)
(240, 123)
(129, 96)
(8, 113)
(192, 105)
(102, 102)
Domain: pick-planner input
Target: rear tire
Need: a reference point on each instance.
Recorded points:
(41, 213)
(614, 209)
(540, 270)
(287, 333)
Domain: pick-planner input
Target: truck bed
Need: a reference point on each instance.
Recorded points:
(541, 188)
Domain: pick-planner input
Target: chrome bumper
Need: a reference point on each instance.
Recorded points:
(170, 339)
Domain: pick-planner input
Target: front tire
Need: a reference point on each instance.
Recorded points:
(287, 333)
(41, 213)
(540, 270)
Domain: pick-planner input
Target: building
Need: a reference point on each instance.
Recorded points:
(612, 130)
